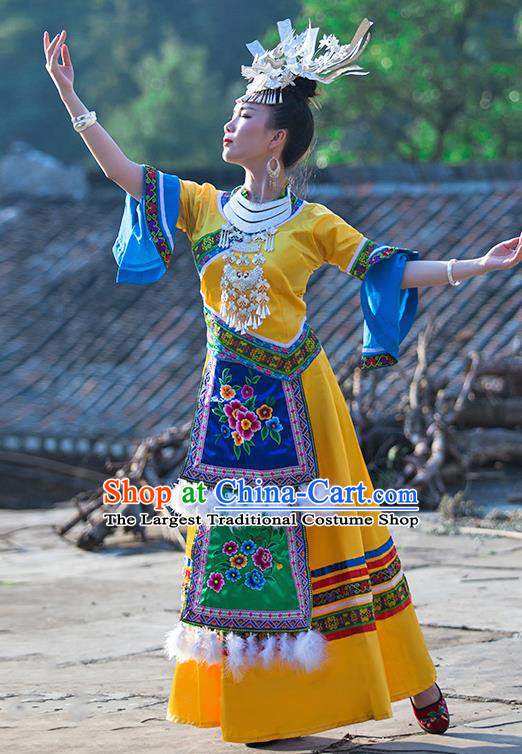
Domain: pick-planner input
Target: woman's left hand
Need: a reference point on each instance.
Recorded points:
(504, 255)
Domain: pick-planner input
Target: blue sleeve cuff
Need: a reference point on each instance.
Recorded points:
(388, 310)
(145, 242)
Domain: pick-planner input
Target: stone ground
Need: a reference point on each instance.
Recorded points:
(83, 669)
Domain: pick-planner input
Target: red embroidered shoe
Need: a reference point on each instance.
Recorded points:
(434, 718)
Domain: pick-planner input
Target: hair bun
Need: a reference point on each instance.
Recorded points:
(307, 87)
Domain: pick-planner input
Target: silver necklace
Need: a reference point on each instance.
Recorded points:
(244, 288)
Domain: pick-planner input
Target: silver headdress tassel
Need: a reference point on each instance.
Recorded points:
(272, 70)
(245, 300)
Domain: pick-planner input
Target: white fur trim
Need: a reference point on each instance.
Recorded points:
(286, 648)
(309, 649)
(235, 660)
(215, 649)
(200, 645)
(252, 649)
(268, 652)
(306, 650)
(178, 644)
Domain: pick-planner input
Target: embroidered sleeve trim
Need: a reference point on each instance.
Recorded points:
(379, 360)
(151, 195)
(370, 252)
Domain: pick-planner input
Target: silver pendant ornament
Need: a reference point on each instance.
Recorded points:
(244, 292)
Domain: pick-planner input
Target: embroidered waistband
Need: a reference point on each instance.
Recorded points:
(278, 361)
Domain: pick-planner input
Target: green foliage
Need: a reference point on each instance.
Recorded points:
(178, 109)
(191, 51)
(443, 83)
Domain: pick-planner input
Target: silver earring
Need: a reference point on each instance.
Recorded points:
(273, 173)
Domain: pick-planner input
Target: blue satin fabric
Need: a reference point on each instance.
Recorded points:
(388, 310)
(138, 259)
(273, 443)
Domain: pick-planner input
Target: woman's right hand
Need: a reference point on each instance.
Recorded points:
(61, 73)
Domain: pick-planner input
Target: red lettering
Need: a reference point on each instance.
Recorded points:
(162, 499)
(129, 492)
(146, 494)
(112, 488)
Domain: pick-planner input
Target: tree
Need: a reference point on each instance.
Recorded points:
(176, 118)
(443, 84)
(111, 41)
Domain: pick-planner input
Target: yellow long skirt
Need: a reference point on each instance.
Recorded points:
(377, 653)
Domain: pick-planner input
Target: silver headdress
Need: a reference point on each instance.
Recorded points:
(272, 70)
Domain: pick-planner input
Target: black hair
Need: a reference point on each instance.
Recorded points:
(294, 114)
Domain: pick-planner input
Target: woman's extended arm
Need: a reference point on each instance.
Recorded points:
(114, 163)
(504, 255)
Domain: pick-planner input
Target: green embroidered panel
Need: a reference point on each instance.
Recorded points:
(248, 567)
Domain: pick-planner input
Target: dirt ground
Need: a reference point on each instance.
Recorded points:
(83, 668)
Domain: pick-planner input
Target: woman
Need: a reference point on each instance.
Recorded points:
(285, 630)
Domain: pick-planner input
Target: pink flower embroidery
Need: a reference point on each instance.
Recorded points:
(262, 558)
(231, 410)
(247, 423)
(215, 581)
(230, 547)
(247, 391)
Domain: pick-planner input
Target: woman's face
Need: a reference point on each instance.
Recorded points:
(247, 140)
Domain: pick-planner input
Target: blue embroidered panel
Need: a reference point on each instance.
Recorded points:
(248, 425)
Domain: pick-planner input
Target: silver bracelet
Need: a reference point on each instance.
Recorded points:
(450, 273)
(80, 122)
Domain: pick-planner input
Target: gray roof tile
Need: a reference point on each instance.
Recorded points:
(88, 360)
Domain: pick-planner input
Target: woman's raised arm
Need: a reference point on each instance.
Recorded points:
(114, 163)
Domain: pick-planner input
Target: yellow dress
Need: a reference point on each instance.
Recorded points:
(360, 599)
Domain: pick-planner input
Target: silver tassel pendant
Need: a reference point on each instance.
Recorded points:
(269, 241)
(223, 237)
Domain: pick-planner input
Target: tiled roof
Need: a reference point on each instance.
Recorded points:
(92, 366)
